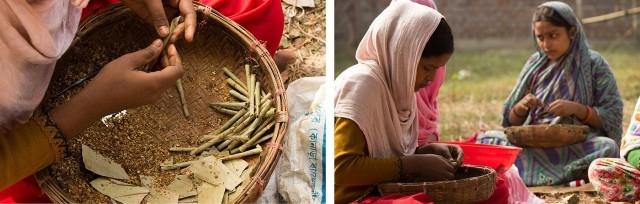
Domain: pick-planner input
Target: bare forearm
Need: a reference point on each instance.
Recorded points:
(589, 116)
(76, 115)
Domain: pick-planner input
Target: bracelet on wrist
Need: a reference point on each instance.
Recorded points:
(588, 114)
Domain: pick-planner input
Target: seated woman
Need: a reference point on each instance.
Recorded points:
(376, 123)
(563, 79)
(618, 179)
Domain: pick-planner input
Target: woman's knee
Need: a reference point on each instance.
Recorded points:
(601, 170)
(609, 178)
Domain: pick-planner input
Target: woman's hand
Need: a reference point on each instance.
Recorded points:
(153, 11)
(526, 103)
(118, 86)
(566, 108)
(448, 151)
(121, 85)
(426, 167)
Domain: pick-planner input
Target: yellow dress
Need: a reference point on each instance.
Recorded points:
(27, 149)
(356, 174)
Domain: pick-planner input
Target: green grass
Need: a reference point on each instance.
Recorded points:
(475, 102)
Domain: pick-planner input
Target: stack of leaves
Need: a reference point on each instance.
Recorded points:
(207, 180)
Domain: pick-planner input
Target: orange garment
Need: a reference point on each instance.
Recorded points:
(27, 149)
(356, 174)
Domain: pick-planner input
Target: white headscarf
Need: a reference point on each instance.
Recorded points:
(35, 34)
(378, 92)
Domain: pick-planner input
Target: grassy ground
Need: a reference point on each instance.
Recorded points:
(479, 79)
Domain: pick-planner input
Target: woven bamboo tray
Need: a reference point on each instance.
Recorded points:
(472, 184)
(546, 136)
(219, 43)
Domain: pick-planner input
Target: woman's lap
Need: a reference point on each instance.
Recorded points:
(552, 166)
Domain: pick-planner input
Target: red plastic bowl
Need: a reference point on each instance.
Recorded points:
(497, 157)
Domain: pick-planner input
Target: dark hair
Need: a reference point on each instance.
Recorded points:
(544, 13)
(441, 41)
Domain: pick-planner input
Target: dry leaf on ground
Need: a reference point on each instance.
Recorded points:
(101, 165)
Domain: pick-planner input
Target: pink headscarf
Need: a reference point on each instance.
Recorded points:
(427, 100)
(377, 93)
(429, 3)
(35, 34)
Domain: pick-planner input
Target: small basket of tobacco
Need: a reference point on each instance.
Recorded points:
(471, 184)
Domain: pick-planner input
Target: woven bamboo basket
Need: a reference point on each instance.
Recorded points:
(472, 184)
(218, 43)
(546, 136)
